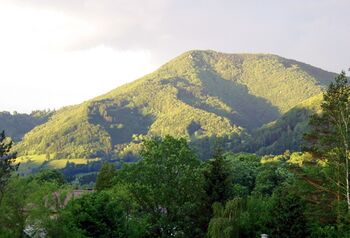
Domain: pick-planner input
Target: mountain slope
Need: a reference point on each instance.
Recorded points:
(17, 124)
(286, 133)
(198, 94)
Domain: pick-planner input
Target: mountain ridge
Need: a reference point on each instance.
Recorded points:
(197, 94)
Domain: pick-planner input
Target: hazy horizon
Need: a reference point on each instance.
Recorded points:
(59, 53)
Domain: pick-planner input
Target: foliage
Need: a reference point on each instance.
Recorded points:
(94, 215)
(53, 176)
(287, 215)
(105, 177)
(329, 135)
(286, 133)
(67, 134)
(168, 192)
(217, 179)
(225, 222)
(243, 167)
(25, 204)
(217, 182)
(72, 171)
(241, 217)
(18, 124)
(269, 177)
(7, 165)
(198, 94)
(167, 185)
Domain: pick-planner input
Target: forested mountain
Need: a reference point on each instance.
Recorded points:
(17, 124)
(288, 195)
(286, 133)
(198, 94)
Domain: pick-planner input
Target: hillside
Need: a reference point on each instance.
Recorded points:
(198, 94)
(17, 124)
(285, 133)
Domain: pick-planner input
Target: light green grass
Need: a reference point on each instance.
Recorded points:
(30, 162)
(35, 159)
(61, 163)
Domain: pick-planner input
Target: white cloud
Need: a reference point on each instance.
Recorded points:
(59, 52)
(38, 72)
(55, 79)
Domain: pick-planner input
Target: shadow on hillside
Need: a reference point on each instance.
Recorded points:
(120, 121)
(285, 134)
(248, 111)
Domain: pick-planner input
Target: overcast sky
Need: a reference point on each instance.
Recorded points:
(61, 52)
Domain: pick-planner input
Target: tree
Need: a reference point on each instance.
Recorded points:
(216, 179)
(329, 134)
(105, 177)
(225, 222)
(270, 176)
(244, 168)
(7, 162)
(14, 208)
(240, 217)
(93, 215)
(168, 186)
(287, 215)
(217, 184)
(25, 203)
(50, 175)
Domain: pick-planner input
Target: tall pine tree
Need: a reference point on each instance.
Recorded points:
(329, 135)
(217, 184)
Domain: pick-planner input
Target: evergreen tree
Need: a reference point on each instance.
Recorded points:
(216, 184)
(7, 160)
(216, 176)
(329, 136)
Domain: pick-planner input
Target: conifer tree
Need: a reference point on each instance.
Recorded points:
(329, 136)
(7, 162)
(217, 178)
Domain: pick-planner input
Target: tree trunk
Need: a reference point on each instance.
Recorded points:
(338, 192)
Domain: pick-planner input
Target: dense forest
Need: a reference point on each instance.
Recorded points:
(18, 124)
(197, 95)
(255, 103)
(171, 192)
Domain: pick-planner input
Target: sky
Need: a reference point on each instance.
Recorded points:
(55, 53)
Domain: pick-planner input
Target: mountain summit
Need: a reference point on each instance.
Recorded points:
(198, 94)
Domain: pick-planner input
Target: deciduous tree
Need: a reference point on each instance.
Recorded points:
(168, 185)
(105, 177)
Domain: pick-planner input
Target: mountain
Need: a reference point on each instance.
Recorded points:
(18, 124)
(198, 94)
(285, 133)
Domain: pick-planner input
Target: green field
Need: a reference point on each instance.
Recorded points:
(30, 162)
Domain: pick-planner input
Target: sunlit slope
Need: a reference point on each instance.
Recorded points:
(198, 94)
